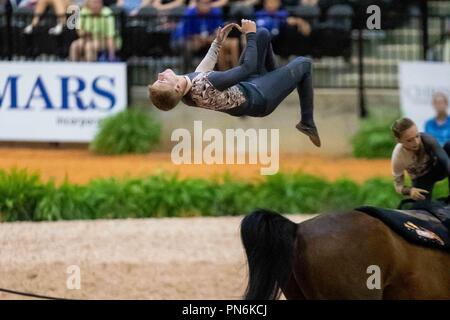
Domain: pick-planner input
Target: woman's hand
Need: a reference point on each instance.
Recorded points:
(222, 33)
(248, 26)
(416, 194)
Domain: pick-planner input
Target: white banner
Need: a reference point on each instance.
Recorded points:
(418, 82)
(60, 102)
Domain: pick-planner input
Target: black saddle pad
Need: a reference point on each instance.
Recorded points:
(416, 225)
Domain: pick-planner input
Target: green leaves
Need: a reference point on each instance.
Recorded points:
(374, 138)
(20, 193)
(129, 131)
(24, 197)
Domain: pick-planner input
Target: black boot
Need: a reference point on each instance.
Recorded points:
(310, 131)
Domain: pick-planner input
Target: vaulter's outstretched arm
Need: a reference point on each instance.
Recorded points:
(222, 80)
(438, 151)
(209, 61)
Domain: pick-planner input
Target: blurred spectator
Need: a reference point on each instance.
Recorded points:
(60, 7)
(219, 3)
(197, 30)
(169, 13)
(96, 33)
(309, 11)
(248, 3)
(132, 7)
(164, 5)
(293, 3)
(273, 17)
(446, 53)
(30, 4)
(245, 3)
(312, 3)
(106, 3)
(238, 10)
(439, 126)
(214, 3)
(309, 7)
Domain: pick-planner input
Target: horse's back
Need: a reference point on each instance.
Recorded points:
(340, 255)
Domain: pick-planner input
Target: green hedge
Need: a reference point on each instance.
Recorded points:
(374, 138)
(129, 131)
(24, 197)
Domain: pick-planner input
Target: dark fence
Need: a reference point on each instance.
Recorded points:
(346, 54)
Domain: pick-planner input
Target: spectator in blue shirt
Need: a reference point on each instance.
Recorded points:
(273, 17)
(198, 26)
(196, 32)
(439, 126)
(132, 7)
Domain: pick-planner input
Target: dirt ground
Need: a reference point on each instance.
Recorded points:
(80, 166)
(168, 258)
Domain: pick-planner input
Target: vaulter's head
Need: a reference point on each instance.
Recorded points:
(406, 133)
(167, 90)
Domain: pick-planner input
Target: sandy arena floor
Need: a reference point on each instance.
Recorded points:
(170, 258)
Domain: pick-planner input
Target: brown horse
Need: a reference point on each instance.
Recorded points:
(328, 257)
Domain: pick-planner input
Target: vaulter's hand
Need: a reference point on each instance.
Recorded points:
(248, 26)
(222, 33)
(416, 193)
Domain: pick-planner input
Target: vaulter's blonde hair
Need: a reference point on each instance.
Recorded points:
(164, 97)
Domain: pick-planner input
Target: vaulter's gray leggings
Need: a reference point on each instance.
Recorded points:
(268, 87)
